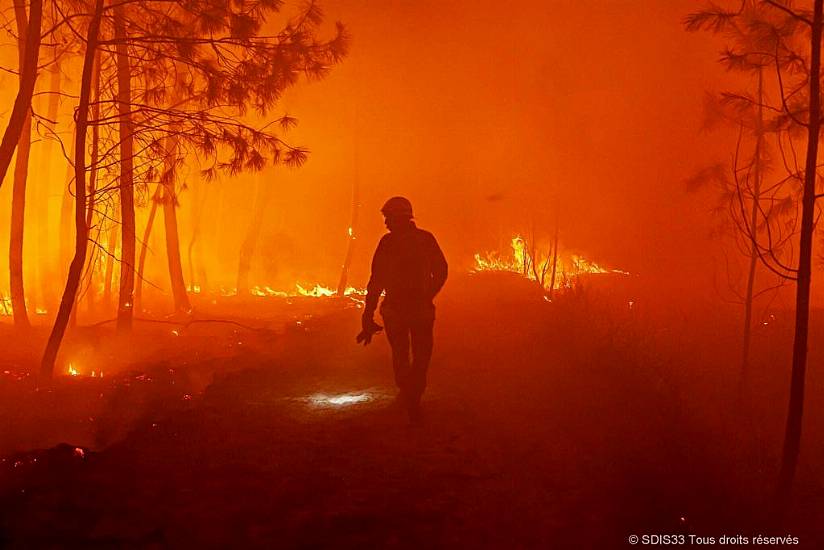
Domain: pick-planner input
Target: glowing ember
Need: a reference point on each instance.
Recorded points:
(342, 400)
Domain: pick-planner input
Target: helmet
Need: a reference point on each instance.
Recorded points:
(397, 206)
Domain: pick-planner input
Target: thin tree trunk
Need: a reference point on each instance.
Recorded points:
(66, 225)
(81, 229)
(350, 247)
(748, 296)
(195, 279)
(18, 199)
(111, 247)
(18, 213)
(792, 436)
(144, 246)
(181, 298)
(554, 259)
(95, 154)
(125, 307)
(247, 249)
(28, 77)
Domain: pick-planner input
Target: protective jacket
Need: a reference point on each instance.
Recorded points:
(409, 266)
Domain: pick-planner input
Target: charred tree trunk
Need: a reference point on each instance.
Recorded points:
(81, 229)
(178, 284)
(21, 110)
(247, 249)
(18, 198)
(125, 307)
(144, 247)
(792, 435)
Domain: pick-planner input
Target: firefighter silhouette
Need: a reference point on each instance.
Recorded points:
(411, 269)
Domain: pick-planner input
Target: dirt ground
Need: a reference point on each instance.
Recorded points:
(567, 424)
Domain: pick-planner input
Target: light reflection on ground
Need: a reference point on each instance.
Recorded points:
(326, 400)
(342, 400)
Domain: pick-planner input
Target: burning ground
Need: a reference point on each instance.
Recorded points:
(570, 423)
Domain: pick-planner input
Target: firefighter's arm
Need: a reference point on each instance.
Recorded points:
(440, 269)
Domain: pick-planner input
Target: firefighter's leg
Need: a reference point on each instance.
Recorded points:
(397, 333)
(422, 341)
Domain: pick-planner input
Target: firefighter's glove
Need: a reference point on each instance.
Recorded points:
(370, 328)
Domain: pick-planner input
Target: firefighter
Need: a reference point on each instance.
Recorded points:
(410, 268)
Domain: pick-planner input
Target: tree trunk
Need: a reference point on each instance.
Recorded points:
(792, 435)
(111, 248)
(81, 229)
(554, 259)
(196, 276)
(28, 76)
(18, 199)
(178, 284)
(95, 154)
(247, 249)
(66, 225)
(350, 247)
(125, 307)
(144, 246)
(18, 213)
(748, 296)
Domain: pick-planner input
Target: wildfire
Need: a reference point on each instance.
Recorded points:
(316, 291)
(554, 271)
(72, 370)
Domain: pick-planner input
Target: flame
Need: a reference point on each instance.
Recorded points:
(567, 268)
(315, 292)
(72, 370)
(7, 309)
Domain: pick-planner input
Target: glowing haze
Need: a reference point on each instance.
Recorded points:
(493, 119)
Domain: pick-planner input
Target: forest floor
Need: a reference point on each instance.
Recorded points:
(571, 424)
